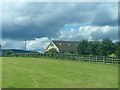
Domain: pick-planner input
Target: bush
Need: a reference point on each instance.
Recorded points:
(8, 53)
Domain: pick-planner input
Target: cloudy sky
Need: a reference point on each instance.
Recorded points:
(41, 22)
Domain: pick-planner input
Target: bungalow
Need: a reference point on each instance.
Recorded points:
(63, 46)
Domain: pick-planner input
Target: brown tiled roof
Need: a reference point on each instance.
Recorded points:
(66, 45)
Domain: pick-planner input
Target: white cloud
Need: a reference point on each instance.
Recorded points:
(106, 31)
(90, 32)
(38, 44)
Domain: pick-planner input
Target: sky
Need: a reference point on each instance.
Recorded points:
(41, 22)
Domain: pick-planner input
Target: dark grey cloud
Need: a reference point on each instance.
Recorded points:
(31, 20)
(106, 16)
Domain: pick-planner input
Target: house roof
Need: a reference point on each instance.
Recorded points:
(66, 45)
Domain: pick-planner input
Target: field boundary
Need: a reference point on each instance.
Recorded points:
(89, 58)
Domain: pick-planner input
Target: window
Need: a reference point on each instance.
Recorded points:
(76, 44)
(69, 44)
(60, 43)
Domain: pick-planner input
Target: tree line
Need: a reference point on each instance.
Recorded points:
(105, 47)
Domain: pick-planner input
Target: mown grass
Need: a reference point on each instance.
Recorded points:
(0, 73)
(53, 73)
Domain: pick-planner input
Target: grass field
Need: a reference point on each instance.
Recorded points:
(53, 73)
(0, 73)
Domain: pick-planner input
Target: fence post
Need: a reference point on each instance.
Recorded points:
(72, 56)
(112, 59)
(96, 58)
(89, 58)
(77, 57)
(63, 56)
(83, 57)
(104, 59)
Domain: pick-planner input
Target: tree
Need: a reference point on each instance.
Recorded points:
(82, 48)
(107, 47)
(93, 47)
(0, 47)
(117, 52)
(86, 47)
(8, 53)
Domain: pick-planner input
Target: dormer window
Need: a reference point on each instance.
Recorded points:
(76, 44)
(60, 43)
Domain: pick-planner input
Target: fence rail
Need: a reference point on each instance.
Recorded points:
(98, 59)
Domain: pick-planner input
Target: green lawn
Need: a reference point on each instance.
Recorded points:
(53, 73)
(0, 73)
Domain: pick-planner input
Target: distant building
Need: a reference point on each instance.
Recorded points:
(63, 46)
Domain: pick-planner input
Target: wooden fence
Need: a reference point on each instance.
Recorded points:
(98, 59)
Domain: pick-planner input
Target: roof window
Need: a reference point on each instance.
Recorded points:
(69, 44)
(60, 43)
